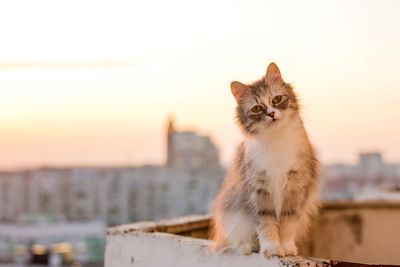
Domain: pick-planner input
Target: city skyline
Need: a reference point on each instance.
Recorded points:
(79, 91)
(184, 144)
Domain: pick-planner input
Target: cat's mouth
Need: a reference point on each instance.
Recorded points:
(271, 122)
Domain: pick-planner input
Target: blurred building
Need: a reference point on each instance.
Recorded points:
(40, 201)
(370, 178)
(188, 149)
(186, 184)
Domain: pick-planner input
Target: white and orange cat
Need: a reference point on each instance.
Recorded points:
(271, 190)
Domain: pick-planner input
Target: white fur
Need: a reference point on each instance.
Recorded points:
(275, 152)
(240, 230)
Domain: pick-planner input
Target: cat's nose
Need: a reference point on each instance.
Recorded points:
(271, 114)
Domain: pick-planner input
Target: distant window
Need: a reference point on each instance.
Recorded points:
(81, 195)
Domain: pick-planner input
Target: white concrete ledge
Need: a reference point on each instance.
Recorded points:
(172, 226)
(354, 232)
(146, 249)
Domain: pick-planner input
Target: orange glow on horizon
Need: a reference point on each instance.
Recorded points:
(85, 83)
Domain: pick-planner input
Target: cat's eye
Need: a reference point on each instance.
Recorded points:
(257, 108)
(277, 99)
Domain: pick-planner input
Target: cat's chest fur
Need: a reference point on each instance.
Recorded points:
(273, 158)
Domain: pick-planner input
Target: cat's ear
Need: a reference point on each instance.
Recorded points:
(239, 90)
(273, 74)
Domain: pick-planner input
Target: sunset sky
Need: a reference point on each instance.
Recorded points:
(92, 82)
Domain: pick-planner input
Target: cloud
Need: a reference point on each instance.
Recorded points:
(65, 64)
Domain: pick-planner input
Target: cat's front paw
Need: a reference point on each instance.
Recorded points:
(289, 248)
(271, 249)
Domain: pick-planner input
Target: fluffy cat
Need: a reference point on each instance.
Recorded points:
(271, 190)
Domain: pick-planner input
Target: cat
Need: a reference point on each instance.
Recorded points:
(271, 190)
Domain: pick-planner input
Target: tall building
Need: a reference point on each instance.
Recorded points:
(371, 166)
(187, 149)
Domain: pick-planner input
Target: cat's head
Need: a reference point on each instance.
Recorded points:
(265, 105)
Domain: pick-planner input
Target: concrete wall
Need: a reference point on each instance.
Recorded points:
(367, 232)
